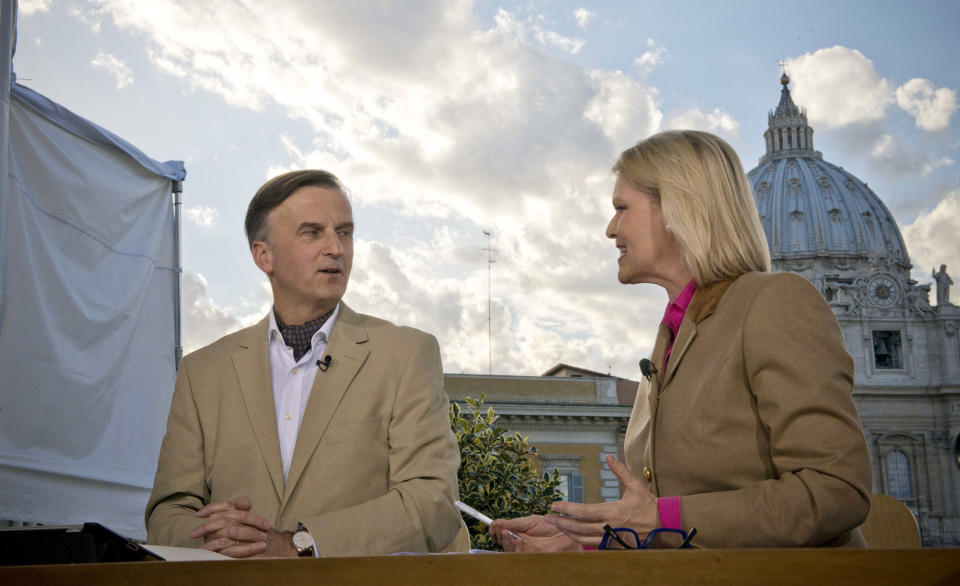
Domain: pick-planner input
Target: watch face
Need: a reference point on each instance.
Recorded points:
(301, 540)
(883, 291)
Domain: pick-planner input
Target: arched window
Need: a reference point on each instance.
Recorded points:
(898, 476)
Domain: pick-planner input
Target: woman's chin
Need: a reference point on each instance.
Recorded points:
(630, 277)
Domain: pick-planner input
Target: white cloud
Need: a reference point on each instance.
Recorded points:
(583, 16)
(930, 107)
(116, 67)
(92, 17)
(890, 157)
(203, 321)
(838, 86)
(555, 39)
(651, 58)
(625, 110)
(203, 216)
(534, 27)
(28, 7)
(717, 121)
(470, 125)
(441, 287)
(934, 239)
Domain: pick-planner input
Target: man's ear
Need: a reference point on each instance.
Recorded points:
(262, 256)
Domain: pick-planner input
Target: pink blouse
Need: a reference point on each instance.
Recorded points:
(673, 316)
(669, 507)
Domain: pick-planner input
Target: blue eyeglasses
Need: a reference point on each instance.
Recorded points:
(663, 538)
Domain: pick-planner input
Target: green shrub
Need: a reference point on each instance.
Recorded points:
(496, 477)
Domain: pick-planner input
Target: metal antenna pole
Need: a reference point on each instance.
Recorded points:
(490, 262)
(177, 204)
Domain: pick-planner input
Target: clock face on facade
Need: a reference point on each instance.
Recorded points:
(883, 291)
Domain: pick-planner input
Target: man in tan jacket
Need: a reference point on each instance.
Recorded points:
(318, 431)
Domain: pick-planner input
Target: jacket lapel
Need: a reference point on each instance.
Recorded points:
(647, 425)
(251, 362)
(701, 307)
(688, 331)
(348, 353)
(657, 380)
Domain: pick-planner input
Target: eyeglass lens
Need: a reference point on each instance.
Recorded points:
(664, 540)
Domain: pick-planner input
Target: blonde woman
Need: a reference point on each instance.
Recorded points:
(744, 425)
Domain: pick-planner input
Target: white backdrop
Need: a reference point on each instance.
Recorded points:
(87, 289)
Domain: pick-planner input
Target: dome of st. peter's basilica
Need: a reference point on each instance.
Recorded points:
(826, 224)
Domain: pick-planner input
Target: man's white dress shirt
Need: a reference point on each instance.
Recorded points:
(292, 381)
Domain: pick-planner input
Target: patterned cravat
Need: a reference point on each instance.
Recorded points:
(300, 337)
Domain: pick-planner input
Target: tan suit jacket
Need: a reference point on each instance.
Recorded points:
(753, 422)
(374, 470)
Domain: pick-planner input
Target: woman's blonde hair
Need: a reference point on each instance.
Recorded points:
(706, 201)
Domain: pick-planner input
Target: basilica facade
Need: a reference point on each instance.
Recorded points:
(828, 226)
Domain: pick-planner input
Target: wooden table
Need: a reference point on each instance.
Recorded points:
(779, 567)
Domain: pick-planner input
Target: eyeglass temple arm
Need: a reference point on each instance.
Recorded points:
(609, 531)
(688, 538)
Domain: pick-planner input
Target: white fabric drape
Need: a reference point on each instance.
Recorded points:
(87, 289)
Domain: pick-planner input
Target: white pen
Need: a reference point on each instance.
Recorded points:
(483, 518)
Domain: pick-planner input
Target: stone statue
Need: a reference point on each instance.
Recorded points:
(943, 285)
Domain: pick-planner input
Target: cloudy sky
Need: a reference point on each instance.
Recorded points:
(449, 118)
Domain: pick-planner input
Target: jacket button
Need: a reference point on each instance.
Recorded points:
(647, 474)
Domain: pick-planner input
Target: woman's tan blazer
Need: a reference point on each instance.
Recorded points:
(752, 421)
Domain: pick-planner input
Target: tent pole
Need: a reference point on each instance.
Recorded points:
(178, 269)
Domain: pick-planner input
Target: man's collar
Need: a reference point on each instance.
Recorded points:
(273, 331)
(327, 328)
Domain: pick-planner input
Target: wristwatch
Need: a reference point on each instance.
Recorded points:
(302, 541)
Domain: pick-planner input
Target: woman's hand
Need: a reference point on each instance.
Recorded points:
(540, 535)
(583, 524)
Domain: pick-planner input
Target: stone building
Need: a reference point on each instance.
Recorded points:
(827, 225)
(574, 417)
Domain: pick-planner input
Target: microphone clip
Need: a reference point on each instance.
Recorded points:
(324, 364)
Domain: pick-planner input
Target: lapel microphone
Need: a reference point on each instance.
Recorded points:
(324, 364)
(647, 369)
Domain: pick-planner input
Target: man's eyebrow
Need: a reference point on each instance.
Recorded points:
(345, 226)
(306, 225)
